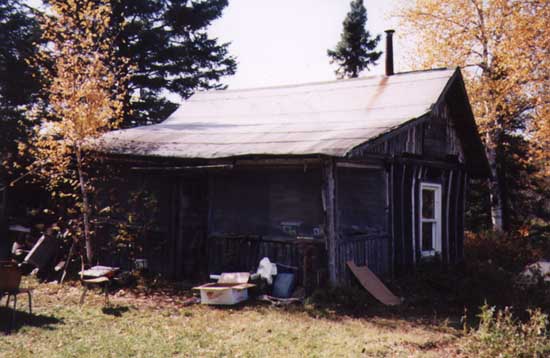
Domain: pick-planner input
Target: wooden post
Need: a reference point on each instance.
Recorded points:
(448, 217)
(392, 219)
(403, 216)
(330, 219)
(389, 205)
(457, 208)
(414, 216)
(3, 190)
(464, 196)
(170, 248)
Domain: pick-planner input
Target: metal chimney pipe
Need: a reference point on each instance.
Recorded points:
(389, 52)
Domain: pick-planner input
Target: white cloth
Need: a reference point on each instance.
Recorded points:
(267, 269)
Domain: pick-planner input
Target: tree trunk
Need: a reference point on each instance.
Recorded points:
(85, 206)
(494, 188)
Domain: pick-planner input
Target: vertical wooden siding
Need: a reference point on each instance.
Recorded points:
(362, 221)
(365, 250)
(433, 136)
(406, 181)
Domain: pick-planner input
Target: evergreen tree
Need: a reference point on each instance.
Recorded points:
(167, 43)
(355, 50)
(18, 31)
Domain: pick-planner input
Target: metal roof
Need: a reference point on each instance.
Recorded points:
(328, 118)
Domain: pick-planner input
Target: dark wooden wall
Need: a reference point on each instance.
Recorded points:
(433, 136)
(405, 191)
(428, 149)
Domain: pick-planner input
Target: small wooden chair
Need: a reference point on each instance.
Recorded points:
(96, 281)
(10, 279)
(97, 276)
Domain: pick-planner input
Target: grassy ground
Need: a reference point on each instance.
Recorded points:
(160, 326)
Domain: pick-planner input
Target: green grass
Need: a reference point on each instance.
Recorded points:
(160, 326)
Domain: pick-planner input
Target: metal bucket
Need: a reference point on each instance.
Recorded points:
(10, 276)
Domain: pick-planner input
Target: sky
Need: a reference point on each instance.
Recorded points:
(278, 42)
(285, 41)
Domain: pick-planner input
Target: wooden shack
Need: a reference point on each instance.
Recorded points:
(372, 169)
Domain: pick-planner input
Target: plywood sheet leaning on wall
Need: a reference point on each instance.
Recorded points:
(373, 285)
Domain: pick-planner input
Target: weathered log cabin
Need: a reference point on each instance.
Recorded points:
(372, 169)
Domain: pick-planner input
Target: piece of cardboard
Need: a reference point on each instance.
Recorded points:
(373, 285)
(234, 277)
(221, 287)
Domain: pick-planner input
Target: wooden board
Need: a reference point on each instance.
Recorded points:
(42, 252)
(373, 284)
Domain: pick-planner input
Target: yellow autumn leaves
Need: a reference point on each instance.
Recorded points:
(84, 93)
(504, 47)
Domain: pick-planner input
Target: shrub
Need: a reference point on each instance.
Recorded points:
(500, 335)
(509, 251)
(494, 261)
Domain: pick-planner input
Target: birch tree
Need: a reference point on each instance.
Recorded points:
(82, 99)
(503, 45)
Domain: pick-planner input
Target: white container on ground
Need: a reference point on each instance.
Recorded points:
(230, 289)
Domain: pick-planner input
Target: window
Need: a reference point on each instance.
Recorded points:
(430, 219)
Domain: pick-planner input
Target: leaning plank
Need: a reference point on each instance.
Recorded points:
(373, 284)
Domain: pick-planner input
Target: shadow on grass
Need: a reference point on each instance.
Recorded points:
(115, 311)
(23, 318)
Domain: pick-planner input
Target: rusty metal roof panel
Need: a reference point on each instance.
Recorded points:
(320, 118)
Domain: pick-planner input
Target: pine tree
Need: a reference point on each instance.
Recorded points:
(167, 42)
(355, 50)
(18, 87)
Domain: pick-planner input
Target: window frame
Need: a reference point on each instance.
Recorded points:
(436, 229)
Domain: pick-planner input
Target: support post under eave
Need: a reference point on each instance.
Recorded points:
(329, 187)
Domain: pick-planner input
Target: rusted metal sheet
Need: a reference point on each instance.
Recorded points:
(328, 118)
